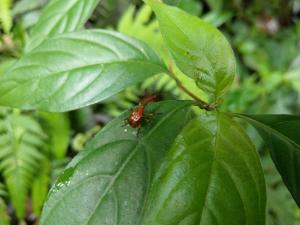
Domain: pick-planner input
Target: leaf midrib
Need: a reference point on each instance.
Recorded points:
(211, 169)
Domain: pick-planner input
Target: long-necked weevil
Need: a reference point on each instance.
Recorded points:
(137, 116)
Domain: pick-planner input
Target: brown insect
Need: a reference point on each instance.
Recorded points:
(137, 115)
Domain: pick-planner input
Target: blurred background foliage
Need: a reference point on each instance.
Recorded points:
(35, 146)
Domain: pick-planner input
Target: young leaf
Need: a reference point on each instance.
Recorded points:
(74, 70)
(198, 48)
(282, 134)
(108, 183)
(212, 175)
(60, 17)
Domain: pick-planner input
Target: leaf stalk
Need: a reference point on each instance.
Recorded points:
(201, 103)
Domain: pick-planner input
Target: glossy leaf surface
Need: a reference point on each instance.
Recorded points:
(109, 181)
(282, 134)
(211, 176)
(74, 70)
(60, 17)
(198, 48)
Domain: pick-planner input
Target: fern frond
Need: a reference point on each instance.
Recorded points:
(139, 24)
(4, 219)
(3, 192)
(21, 143)
(6, 15)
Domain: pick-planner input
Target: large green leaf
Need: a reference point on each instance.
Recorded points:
(5, 65)
(282, 134)
(74, 70)
(212, 175)
(108, 183)
(60, 17)
(22, 143)
(197, 47)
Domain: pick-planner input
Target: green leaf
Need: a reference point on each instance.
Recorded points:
(59, 131)
(212, 175)
(191, 6)
(282, 135)
(109, 181)
(40, 187)
(198, 48)
(172, 2)
(21, 150)
(4, 219)
(6, 19)
(215, 5)
(22, 7)
(2, 191)
(5, 65)
(60, 17)
(74, 70)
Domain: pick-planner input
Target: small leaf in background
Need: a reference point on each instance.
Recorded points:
(25, 6)
(281, 208)
(4, 218)
(114, 191)
(211, 175)
(282, 135)
(6, 19)
(81, 139)
(292, 77)
(193, 7)
(27, 12)
(40, 187)
(215, 5)
(198, 48)
(3, 192)
(60, 17)
(58, 128)
(74, 70)
(172, 2)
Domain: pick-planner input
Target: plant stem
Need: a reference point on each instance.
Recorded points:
(201, 103)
